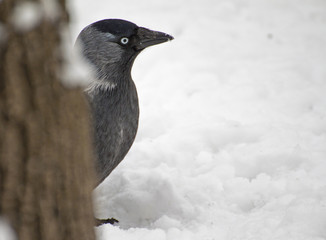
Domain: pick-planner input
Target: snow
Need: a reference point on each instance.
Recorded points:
(76, 71)
(6, 232)
(26, 16)
(231, 143)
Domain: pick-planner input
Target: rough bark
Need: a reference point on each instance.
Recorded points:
(46, 171)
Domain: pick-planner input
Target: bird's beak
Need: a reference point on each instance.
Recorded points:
(148, 38)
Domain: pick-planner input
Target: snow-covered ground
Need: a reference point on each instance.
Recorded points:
(232, 137)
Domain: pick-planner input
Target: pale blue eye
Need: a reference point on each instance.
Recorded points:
(124, 40)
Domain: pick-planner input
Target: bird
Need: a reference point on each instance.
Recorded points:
(110, 47)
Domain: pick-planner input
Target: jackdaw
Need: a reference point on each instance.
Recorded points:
(111, 46)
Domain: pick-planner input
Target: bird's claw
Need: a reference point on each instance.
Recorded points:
(99, 222)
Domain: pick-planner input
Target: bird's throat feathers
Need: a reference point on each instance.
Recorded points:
(100, 85)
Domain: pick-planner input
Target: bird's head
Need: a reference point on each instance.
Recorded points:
(111, 45)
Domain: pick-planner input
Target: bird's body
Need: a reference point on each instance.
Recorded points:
(116, 114)
(111, 46)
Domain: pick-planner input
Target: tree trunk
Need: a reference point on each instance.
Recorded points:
(46, 167)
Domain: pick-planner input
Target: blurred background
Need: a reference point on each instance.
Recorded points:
(232, 136)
